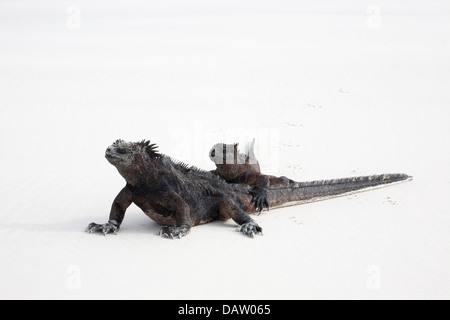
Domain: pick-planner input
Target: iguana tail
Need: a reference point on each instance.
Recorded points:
(305, 192)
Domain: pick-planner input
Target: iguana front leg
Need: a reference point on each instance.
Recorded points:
(229, 209)
(118, 208)
(174, 203)
(260, 187)
(259, 193)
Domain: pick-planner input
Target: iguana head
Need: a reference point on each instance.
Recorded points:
(129, 157)
(223, 153)
(231, 164)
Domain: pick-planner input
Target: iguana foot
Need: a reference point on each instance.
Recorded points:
(109, 227)
(259, 199)
(171, 232)
(250, 228)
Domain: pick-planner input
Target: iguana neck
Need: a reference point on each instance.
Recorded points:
(143, 173)
(237, 173)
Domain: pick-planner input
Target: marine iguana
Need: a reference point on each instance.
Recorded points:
(179, 196)
(237, 167)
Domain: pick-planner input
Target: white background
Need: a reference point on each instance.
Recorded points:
(328, 88)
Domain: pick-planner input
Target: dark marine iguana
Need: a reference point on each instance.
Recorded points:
(179, 196)
(236, 167)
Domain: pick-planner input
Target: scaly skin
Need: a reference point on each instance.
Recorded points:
(171, 193)
(243, 168)
(180, 197)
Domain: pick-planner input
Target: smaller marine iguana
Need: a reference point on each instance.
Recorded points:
(243, 168)
(179, 196)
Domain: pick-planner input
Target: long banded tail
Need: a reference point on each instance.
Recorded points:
(304, 192)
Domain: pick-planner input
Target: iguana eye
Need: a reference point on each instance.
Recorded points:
(121, 151)
(213, 153)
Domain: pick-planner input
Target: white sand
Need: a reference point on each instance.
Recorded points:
(328, 91)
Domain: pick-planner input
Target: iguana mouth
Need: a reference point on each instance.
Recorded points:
(111, 155)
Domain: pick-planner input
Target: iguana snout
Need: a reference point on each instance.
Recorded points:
(116, 155)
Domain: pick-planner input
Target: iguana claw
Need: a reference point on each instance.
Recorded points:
(259, 199)
(110, 226)
(172, 232)
(250, 228)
